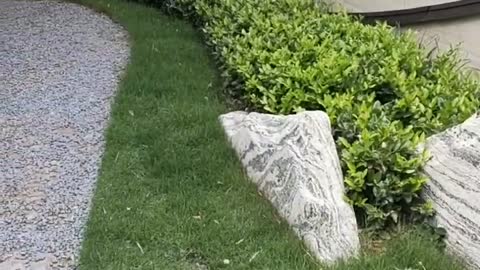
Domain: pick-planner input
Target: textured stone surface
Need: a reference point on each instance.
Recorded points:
(454, 186)
(293, 161)
(59, 67)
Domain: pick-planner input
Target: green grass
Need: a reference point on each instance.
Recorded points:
(413, 249)
(171, 193)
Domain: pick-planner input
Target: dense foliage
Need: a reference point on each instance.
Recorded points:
(382, 91)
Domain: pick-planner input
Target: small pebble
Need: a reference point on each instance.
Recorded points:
(60, 66)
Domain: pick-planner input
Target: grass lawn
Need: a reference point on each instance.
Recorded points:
(171, 193)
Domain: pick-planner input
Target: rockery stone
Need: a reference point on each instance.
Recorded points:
(293, 161)
(454, 187)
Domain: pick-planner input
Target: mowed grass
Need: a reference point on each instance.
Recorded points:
(171, 193)
(411, 249)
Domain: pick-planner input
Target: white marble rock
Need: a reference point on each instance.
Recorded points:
(454, 187)
(294, 163)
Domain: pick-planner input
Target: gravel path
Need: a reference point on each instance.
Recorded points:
(59, 66)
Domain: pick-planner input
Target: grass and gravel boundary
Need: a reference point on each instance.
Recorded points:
(171, 193)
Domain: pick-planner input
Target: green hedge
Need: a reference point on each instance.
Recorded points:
(382, 91)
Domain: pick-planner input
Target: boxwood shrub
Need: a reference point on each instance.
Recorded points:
(382, 91)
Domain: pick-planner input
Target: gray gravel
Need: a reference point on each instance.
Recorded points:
(60, 64)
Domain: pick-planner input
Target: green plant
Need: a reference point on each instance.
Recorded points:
(171, 194)
(382, 91)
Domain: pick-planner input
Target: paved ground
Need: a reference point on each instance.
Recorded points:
(59, 66)
(382, 5)
(444, 34)
(463, 32)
